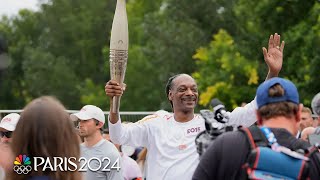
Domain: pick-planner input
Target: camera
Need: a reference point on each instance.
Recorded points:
(314, 139)
(216, 123)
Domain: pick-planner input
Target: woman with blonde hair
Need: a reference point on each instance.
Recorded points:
(45, 130)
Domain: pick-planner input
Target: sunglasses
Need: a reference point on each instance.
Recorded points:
(8, 134)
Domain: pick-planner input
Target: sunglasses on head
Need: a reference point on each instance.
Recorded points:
(8, 134)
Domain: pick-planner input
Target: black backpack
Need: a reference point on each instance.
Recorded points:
(265, 163)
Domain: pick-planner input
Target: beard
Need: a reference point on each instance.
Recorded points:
(83, 133)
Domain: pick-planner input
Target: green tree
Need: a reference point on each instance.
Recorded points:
(43, 64)
(224, 73)
(297, 22)
(303, 60)
(165, 38)
(20, 33)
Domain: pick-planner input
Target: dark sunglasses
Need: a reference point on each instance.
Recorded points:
(8, 134)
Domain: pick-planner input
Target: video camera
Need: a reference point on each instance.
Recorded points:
(314, 139)
(216, 123)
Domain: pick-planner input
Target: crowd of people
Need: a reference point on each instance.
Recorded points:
(165, 141)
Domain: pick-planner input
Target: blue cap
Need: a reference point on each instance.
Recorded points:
(290, 92)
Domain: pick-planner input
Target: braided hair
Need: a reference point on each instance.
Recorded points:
(169, 86)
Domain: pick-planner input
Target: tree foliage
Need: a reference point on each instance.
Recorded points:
(224, 73)
(63, 50)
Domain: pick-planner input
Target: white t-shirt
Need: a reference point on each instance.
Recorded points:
(2, 173)
(130, 168)
(172, 152)
(109, 158)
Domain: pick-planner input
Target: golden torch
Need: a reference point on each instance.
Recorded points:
(119, 42)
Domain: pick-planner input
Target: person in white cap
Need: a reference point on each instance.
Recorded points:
(7, 126)
(91, 120)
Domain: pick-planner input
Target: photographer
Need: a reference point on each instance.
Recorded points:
(279, 110)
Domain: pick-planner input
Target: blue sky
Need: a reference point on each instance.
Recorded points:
(11, 7)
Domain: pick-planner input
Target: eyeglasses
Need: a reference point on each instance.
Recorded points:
(8, 134)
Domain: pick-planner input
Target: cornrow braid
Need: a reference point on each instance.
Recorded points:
(169, 86)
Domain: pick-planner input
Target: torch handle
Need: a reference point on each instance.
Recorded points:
(115, 104)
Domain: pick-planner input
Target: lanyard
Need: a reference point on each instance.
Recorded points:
(271, 137)
(276, 147)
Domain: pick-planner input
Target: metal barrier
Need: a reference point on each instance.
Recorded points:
(131, 116)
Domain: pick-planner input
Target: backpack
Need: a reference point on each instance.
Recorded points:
(264, 162)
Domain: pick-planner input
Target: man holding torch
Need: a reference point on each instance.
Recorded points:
(170, 139)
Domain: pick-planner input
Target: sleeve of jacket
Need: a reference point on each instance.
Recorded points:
(133, 134)
(244, 116)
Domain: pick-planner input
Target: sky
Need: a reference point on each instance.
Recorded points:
(12, 7)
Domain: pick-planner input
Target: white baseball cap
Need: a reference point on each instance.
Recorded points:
(10, 121)
(89, 112)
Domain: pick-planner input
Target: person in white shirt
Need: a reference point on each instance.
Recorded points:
(170, 138)
(129, 167)
(91, 120)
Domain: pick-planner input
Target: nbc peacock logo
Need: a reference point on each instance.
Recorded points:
(22, 164)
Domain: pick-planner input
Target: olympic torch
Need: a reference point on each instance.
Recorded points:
(119, 42)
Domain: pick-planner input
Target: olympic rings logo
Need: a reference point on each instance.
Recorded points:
(22, 169)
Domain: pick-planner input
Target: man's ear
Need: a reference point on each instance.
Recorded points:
(298, 115)
(259, 119)
(170, 95)
(99, 124)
